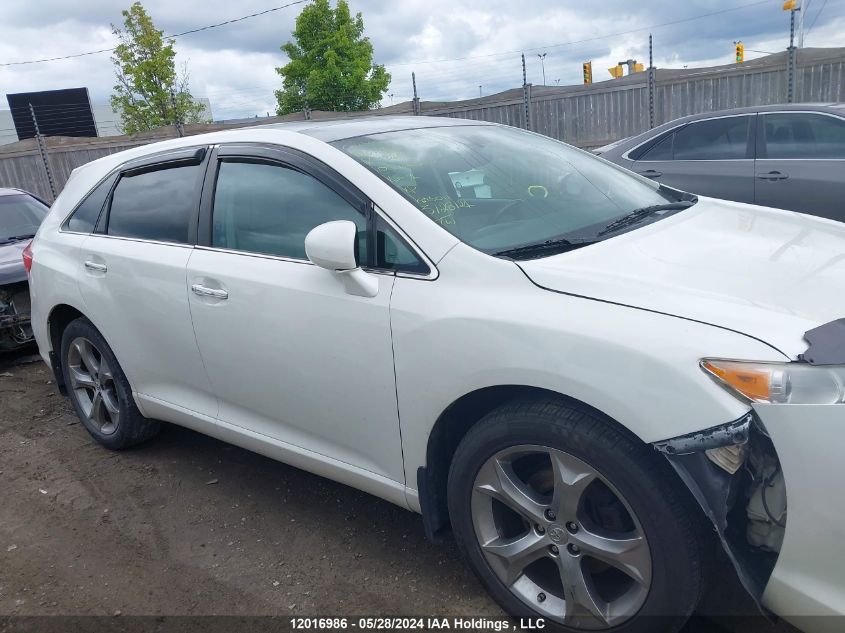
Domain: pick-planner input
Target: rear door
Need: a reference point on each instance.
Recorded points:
(801, 163)
(133, 278)
(712, 157)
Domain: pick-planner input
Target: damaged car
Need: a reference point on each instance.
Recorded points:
(593, 380)
(20, 215)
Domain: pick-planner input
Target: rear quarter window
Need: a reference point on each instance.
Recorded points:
(84, 218)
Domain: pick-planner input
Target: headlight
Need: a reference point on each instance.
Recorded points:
(785, 383)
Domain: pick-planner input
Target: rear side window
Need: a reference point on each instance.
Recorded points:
(269, 208)
(155, 205)
(84, 219)
(715, 139)
(804, 135)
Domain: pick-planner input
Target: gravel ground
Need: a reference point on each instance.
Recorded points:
(188, 525)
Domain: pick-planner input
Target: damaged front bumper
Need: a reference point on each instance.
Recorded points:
(729, 469)
(15, 319)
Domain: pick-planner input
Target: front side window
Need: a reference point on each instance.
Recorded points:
(498, 188)
(268, 208)
(715, 139)
(155, 205)
(804, 135)
(20, 217)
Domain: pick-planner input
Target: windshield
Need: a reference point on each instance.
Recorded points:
(499, 188)
(20, 217)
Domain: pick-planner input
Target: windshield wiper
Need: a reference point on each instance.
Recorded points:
(544, 248)
(16, 238)
(640, 214)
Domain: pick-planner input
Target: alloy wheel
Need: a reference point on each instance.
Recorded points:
(560, 537)
(92, 385)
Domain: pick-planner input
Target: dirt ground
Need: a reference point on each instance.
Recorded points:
(188, 525)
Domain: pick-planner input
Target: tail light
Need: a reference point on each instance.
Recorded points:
(27, 257)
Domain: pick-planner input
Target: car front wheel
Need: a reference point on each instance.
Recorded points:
(565, 516)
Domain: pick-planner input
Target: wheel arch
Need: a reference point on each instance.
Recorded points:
(454, 423)
(59, 318)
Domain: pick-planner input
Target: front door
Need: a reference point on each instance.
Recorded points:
(712, 157)
(292, 356)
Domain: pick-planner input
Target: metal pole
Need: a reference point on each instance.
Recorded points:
(306, 109)
(650, 83)
(803, 9)
(526, 96)
(416, 101)
(543, 65)
(790, 60)
(42, 149)
(175, 115)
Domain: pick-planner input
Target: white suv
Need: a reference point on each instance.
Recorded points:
(583, 373)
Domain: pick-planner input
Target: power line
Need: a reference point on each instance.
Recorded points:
(197, 30)
(813, 23)
(589, 39)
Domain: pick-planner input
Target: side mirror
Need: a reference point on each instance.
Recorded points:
(332, 246)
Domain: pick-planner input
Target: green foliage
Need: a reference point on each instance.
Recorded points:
(149, 92)
(331, 63)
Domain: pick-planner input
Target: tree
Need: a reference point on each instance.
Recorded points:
(331, 63)
(149, 92)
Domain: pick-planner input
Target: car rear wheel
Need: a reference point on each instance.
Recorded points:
(564, 516)
(99, 390)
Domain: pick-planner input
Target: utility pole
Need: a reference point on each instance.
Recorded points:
(543, 64)
(176, 123)
(42, 149)
(479, 91)
(651, 78)
(803, 9)
(526, 96)
(416, 101)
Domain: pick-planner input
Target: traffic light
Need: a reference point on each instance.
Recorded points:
(617, 71)
(740, 52)
(790, 5)
(638, 68)
(588, 72)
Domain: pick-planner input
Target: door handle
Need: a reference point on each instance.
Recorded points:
(651, 173)
(95, 267)
(204, 291)
(773, 175)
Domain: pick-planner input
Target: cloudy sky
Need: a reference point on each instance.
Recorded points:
(454, 46)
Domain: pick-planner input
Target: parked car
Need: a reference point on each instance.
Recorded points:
(784, 156)
(20, 215)
(584, 373)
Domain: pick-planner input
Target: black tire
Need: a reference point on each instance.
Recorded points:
(672, 526)
(132, 427)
